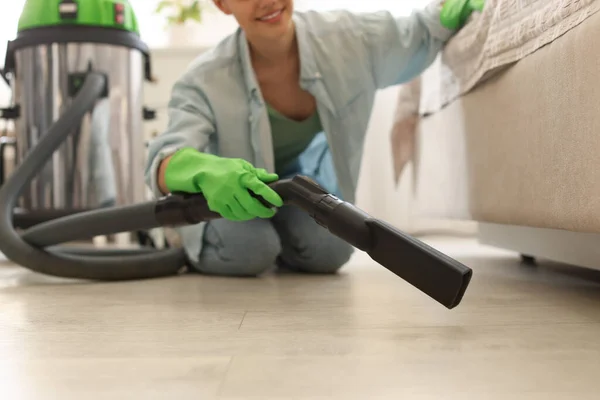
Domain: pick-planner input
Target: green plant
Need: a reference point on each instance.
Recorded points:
(180, 11)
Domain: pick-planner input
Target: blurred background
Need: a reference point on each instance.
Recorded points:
(176, 41)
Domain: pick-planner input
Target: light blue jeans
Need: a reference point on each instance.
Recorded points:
(291, 239)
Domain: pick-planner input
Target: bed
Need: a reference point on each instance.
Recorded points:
(503, 129)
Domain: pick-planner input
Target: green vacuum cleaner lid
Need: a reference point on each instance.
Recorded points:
(98, 13)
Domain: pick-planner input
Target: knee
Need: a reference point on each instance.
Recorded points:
(329, 258)
(320, 253)
(307, 246)
(240, 249)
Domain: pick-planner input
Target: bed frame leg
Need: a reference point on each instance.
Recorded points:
(528, 260)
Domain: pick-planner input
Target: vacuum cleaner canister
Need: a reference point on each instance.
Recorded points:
(77, 77)
(101, 162)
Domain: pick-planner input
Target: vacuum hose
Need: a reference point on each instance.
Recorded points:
(437, 275)
(96, 264)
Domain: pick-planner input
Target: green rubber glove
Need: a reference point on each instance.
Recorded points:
(224, 182)
(455, 13)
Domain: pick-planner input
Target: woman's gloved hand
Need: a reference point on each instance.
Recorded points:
(455, 13)
(224, 182)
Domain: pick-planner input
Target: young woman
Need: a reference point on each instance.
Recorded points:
(288, 93)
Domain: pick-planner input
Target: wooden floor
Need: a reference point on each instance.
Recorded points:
(520, 333)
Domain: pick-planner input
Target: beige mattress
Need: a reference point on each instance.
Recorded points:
(523, 148)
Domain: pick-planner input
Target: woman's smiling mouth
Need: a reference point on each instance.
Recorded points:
(272, 17)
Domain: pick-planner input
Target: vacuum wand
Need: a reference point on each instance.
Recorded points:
(437, 275)
(440, 277)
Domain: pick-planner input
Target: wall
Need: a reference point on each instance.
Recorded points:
(377, 192)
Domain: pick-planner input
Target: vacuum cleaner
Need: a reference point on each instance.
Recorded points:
(76, 69)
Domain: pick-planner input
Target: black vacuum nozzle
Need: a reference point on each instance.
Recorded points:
(437, 275)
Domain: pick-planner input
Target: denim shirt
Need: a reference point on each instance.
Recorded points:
(216, 106)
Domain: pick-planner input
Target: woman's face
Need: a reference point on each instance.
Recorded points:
(260, 18)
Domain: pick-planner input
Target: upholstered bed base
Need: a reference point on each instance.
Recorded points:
(521, 152)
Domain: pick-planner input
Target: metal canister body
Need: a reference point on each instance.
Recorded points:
(102, 163)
